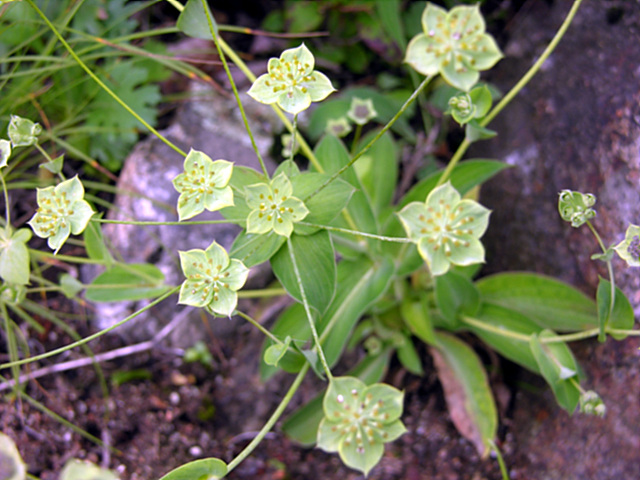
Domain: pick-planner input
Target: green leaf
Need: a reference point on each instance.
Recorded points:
(325, 205)
(83, 470)
(455, 296)
(302, 425)
(315, 259)
(503, 321)
(378, 170)
(253, 249)
(54, 166)
(122, 282)
(204, 469)
(481, 98)
(621, 317)
(559, 369)
(408, 356)
(194, 20)
(416, 315)
(389, 16)
(548, 302)
(14, 256)
(70, 286)
(304, 16)
(95, 245)
(360, 284)
(474, 132)
(464, 177)
(275, 352)
(467, 391)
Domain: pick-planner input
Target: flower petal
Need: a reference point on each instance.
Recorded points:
(294, 100)
(257, 223)
(217, 257)
(238, 274)
(421, 58)
(319, 87)
(225, 304)
(256, 194)
(412, 218)
(264, 90)
(82, 213)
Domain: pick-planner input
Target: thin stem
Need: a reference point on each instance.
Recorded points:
(253, 322)
(514, 91)
(503, 467)
(216, 40)
(65, 258)
(272, 420)
(7, 208)
(612, 283)
(358, 234)
(307, 310)
(356, 139)
(183, 222)
(264, 293)
(409, 101)
(100, 82)
(91, 337)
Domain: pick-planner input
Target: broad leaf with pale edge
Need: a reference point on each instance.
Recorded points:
(212, 279)
(466, 387)
(204, 469)
(359, 420)
(14, 256)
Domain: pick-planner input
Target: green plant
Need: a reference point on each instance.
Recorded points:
(406, 270)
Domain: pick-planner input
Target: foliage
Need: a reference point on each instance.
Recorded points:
(368, 266)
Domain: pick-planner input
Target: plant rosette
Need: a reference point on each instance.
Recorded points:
(629, 248)
(359, 420)
(273, 207)
(446, 229)
(212, 279)
(204, 184)
(453, 44)
(291, 82)
(61, 210)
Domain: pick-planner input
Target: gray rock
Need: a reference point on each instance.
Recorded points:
(209, 123)
(576, 126)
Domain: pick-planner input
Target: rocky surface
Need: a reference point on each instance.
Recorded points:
(576, 126)
(207, 122)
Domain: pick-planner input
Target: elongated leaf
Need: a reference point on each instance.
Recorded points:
(548, 302)
(254, 249)
(408, 356)
(360, 284)
(416, 315)
(315, 259)
(504, 321)
(327, 203)
(467, 391)
(464, 177)
(203, 469)
(455, 295)
(333, 155)
(127, 282)
(389, 15)
(94, 243)
(622, 314)
(378, 170)
(193, 21)
(559, 369)
(302, 425)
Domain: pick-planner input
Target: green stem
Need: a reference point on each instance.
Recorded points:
(356, 139)
(266, 332)
(100, 82)
(264, 293)
(612, 283)
(234, 88)
(307, 310)
(183, 222)
(94, 336)
(503, 467)
(514, 91)
(409, 101)
(65, 258)
(272, 420)
(358, 234)
(6, 202)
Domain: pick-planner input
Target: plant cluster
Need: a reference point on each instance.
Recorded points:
(360, 266)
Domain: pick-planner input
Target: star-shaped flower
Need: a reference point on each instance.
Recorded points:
(212, 279)
(453, 44)
(273, 207)
(203, 184)
(292, 82)
(359, 420)
(361, 110)
(339, 127)
(629, 248)
(61, 210)
(446, 229)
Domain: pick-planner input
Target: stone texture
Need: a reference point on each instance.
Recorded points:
(576, 126)
(209, 123)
